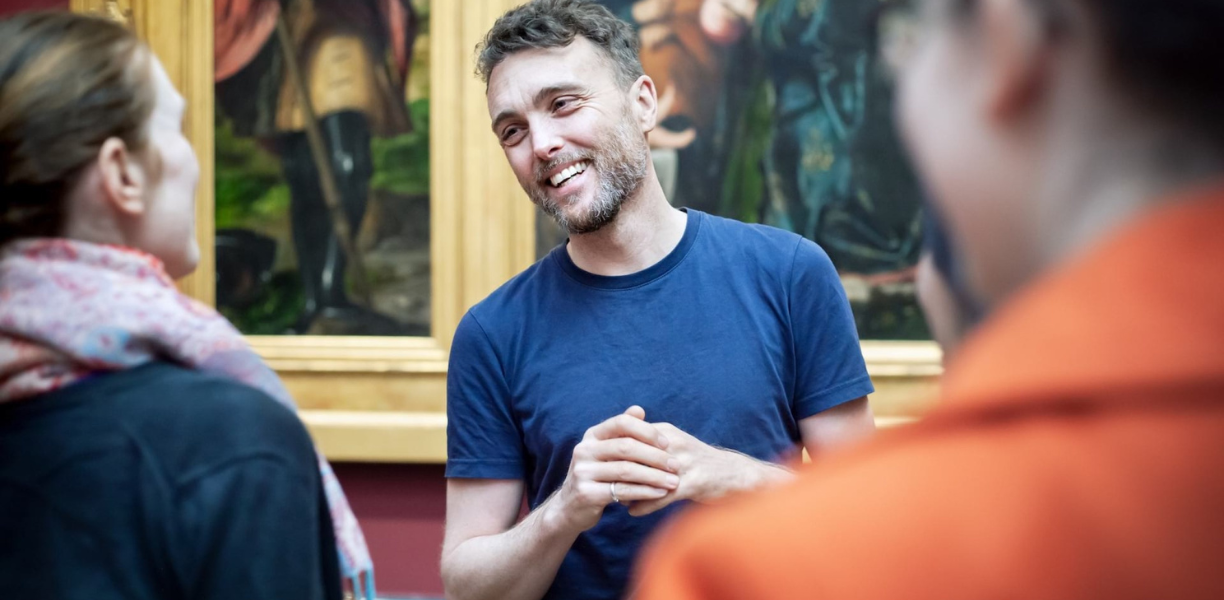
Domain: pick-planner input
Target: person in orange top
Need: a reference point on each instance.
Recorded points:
(1076, 149)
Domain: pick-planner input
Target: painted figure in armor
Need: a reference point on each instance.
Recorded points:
(352, 58)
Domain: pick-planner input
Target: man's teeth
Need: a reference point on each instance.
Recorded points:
(564, 176)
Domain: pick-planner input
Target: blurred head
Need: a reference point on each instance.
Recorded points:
(571, 107)
(1028, 118)
(91, 142)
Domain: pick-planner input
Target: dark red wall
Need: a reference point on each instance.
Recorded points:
(401, 509)
(11, 6)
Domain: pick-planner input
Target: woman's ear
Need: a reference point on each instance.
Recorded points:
(646, 103)
(123, 178)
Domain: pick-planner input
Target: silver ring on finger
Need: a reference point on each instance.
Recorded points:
(612, 488)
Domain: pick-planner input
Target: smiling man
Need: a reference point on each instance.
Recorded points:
(659, 356)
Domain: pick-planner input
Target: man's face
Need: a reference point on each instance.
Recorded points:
(570, 132)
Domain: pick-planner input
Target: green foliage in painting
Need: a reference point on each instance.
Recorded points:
(250, 189)
(401, 164)
(743, 188)
(890, 316)
(275, 310)
(251, 194)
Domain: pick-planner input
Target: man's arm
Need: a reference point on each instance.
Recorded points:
(837, 427)
(708, 473)
(484, 557)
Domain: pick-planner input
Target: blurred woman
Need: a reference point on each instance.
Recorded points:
(145, 450)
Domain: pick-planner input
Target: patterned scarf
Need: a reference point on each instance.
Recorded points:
(69, 309)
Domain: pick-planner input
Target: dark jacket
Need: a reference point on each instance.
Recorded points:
(161, 483)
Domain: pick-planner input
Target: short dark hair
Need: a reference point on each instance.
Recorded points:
(543, 24)
(1167, 53)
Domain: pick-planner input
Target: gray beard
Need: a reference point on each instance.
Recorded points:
(622, 165)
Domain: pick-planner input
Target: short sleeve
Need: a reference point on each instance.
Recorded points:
(829, 366)
(483, 440)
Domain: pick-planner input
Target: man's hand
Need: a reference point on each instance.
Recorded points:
(624, 451)
(708, 473)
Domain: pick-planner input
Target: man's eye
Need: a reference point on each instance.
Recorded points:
(562, 103)
(510, 132)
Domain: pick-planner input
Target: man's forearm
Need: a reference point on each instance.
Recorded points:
(519, 564)
(759, 474)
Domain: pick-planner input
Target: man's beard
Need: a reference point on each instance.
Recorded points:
(621, 165)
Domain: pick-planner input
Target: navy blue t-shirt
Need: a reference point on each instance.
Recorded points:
(736, 335)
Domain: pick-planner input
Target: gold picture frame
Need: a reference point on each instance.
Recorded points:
(384, 399)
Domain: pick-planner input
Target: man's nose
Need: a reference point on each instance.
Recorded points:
(545, 142)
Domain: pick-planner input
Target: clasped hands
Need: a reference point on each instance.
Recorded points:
(647, 466)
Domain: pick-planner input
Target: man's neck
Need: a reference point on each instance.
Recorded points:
(644, 233)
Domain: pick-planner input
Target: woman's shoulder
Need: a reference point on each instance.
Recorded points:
(190, 419)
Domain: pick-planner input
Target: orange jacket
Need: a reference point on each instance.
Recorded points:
(1078, 453)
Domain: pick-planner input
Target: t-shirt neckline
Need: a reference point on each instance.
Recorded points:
(620, 282)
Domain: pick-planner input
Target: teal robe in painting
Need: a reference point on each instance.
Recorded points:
(834, 169)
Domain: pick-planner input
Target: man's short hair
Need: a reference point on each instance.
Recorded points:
(542, 24)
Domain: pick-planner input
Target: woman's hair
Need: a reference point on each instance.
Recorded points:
(68, 83)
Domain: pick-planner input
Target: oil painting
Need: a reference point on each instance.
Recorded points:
(780, 112)
(322, 166)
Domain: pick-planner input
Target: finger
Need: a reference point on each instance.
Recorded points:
(649, 506)
(634, 451)
(631, 427)
(636, 412)
(633, 493)
(599, 493)
(631, 472)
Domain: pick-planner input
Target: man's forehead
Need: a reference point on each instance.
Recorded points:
(528, 71)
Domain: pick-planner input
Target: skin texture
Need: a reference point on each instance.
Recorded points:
(143, 199)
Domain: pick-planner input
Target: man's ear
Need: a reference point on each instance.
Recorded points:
(123, 178)
(1017, 52)
(646, 103)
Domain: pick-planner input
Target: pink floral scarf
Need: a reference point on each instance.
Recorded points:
(69, 309)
